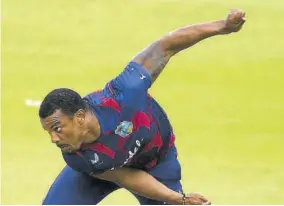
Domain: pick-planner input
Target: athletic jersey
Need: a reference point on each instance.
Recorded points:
(135, 131)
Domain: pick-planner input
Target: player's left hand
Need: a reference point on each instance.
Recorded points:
(196, 199)
(234, 21)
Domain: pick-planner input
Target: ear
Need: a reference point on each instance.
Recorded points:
(80, 116)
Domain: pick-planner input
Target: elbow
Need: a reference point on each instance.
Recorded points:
(166, 46)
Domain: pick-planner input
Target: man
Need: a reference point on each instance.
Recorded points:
(120, 137)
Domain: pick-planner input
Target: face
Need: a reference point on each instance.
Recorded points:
(65, 131)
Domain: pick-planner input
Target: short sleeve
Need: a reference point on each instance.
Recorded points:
(132, 85)
(89, 161)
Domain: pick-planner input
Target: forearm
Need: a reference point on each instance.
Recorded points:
(141, 183)
(185, 37)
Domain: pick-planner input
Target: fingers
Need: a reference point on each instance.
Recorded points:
(241, 23)
(206, 203)
(236, 20)
(197, 199)
(236, 16)
(200, 196)
(238, 12)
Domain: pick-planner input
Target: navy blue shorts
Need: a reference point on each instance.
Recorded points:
(74, 188)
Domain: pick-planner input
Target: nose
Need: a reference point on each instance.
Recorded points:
(54, 138)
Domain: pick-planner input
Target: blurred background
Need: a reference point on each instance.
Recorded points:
(230, 136)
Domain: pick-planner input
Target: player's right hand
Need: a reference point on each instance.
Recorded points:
(234, 21)
(196, 199)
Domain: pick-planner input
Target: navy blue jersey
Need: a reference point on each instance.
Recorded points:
(135, 131)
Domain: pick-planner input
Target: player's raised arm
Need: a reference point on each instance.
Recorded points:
(155, 57)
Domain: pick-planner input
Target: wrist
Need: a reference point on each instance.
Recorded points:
(176, 199)
(221, 27)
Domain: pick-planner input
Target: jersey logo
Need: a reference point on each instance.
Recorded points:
(96, 159)
(124, 129)
(142, 76)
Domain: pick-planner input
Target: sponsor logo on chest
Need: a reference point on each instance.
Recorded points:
(132, 153)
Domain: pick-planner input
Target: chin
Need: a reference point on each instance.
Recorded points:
(69, 149)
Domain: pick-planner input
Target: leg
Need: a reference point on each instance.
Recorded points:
(74, 188)
(168, 172)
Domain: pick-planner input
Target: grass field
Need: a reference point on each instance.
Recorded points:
(230, 137)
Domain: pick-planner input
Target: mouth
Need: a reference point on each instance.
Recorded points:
(66, 148)
(61, 146)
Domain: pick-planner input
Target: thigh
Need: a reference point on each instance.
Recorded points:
(75, 188)
(168, 172)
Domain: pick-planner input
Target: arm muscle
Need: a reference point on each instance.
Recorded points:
(141, 183)
(155, 57)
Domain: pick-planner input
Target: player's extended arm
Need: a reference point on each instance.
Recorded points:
(143, 184)
(155, 57)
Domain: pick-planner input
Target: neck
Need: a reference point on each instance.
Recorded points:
(93, 129)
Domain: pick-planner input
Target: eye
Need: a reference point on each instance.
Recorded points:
(57, 129)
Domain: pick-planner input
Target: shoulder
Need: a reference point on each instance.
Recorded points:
(133, 77)
(96, 97)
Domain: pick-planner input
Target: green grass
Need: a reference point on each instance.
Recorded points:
(231, 134)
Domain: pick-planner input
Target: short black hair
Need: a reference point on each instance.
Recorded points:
(66, 100)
